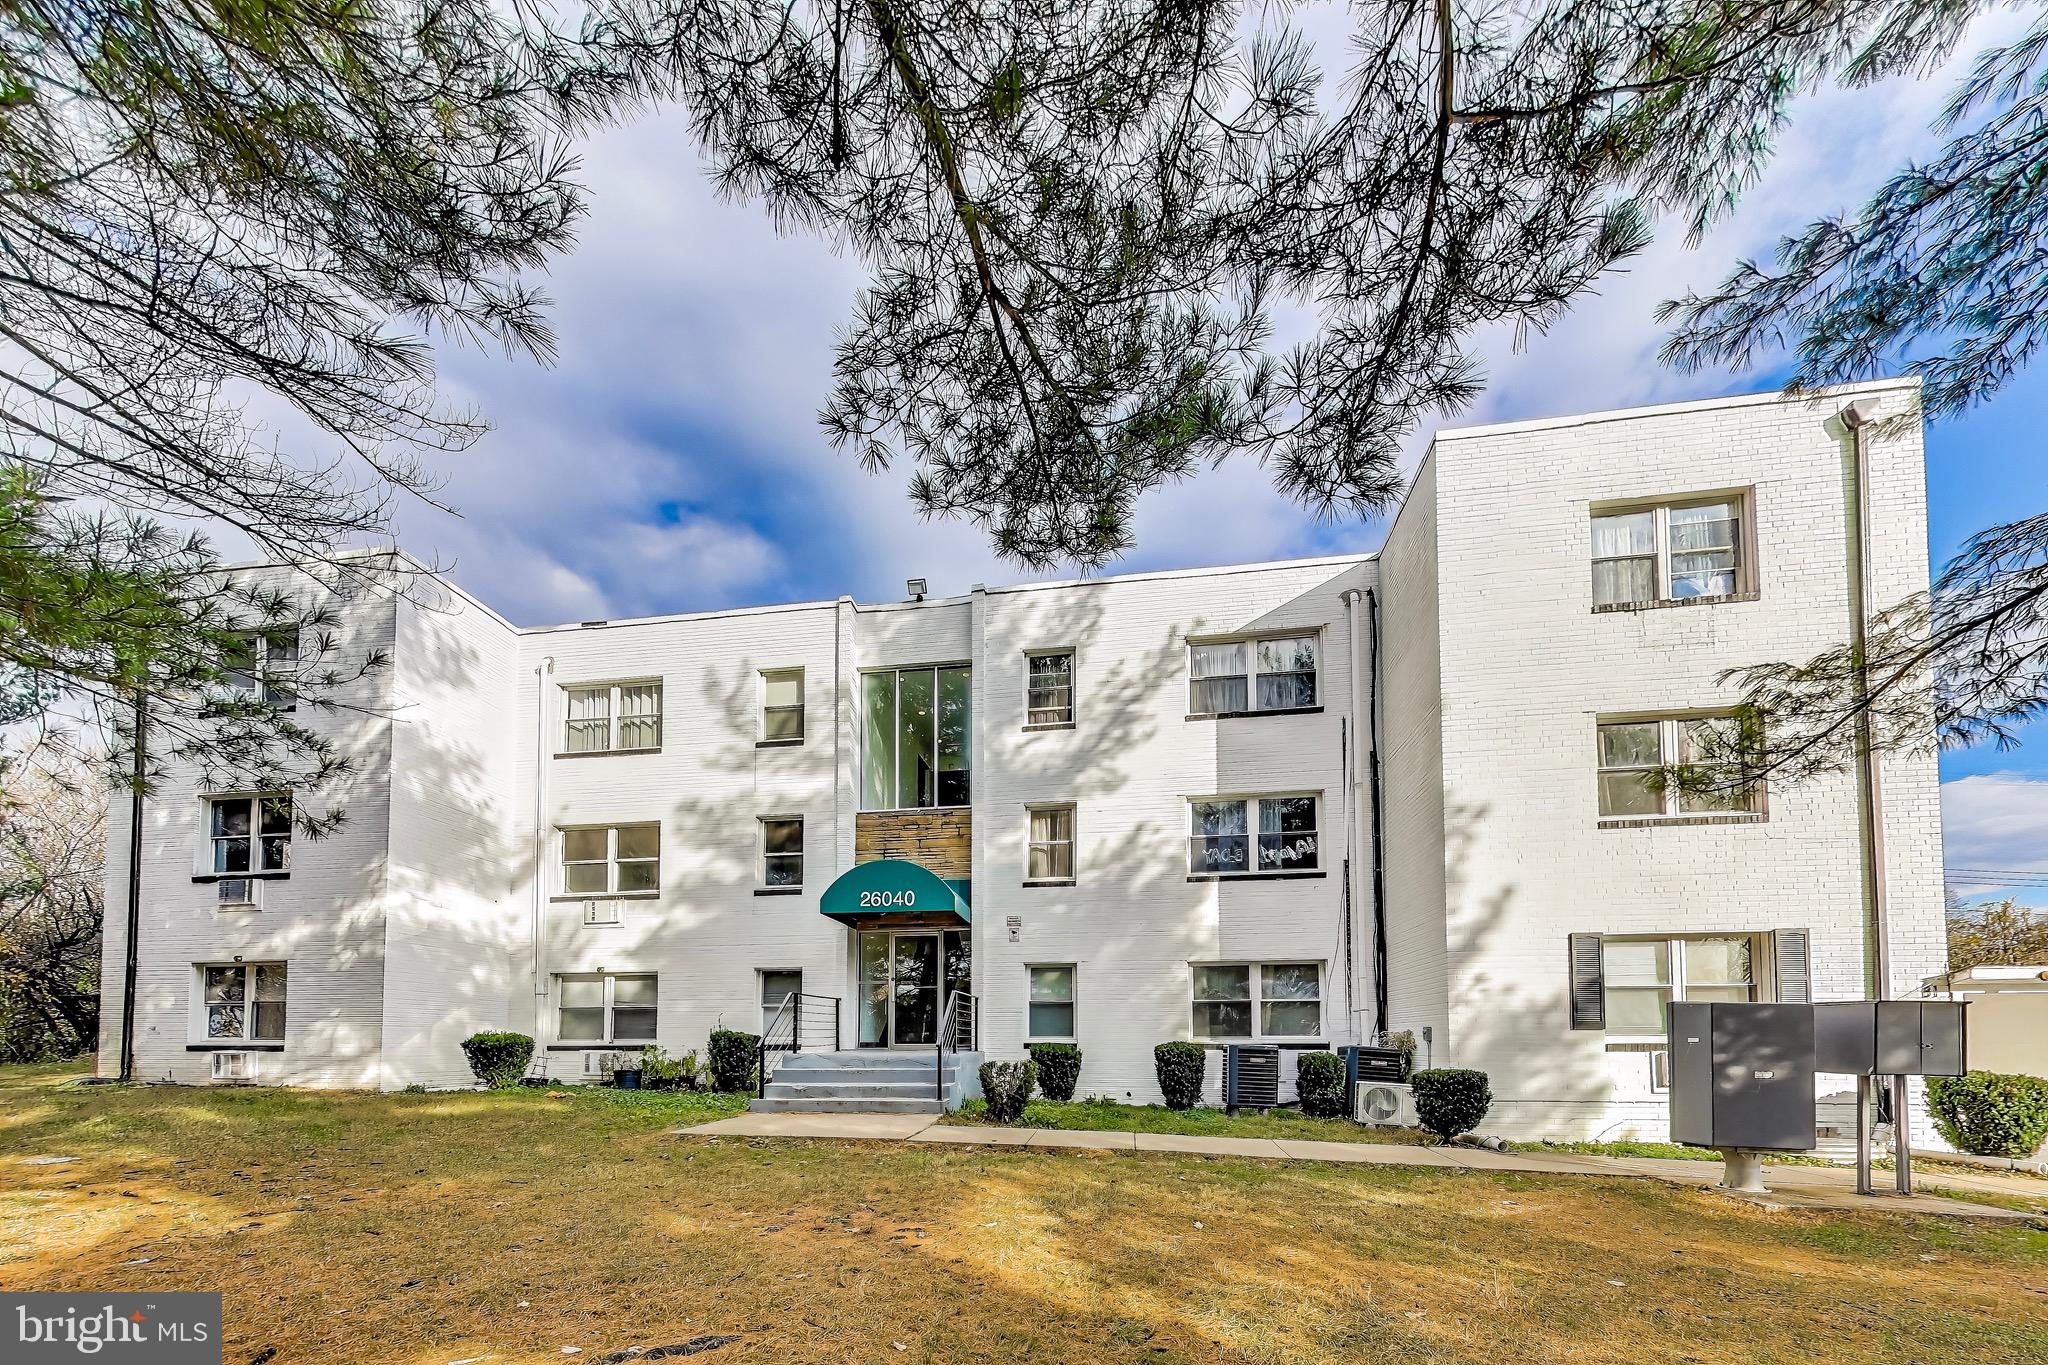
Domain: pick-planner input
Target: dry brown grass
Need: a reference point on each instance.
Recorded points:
(435, 1228)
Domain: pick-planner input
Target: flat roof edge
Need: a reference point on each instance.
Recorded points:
(1754, 398)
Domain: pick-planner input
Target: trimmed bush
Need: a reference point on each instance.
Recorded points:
(733, 1057)
(1319, 1083)
(1180, 1068)
(1059, 1068)
(1989, 1113)
(1402, 1041)
(1005, 1086)
(1450, 1100)
(498, 1059)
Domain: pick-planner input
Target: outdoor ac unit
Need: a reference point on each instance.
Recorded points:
(1385, 1104)
(234, 1066)
(600, 912)
(237, 892)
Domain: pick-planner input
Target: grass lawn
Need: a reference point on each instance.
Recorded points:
(1101, 1115)
(428, 1229)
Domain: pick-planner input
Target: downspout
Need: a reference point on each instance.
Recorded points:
(1351, 788)
(1379, 863)
(541, 671)
(1858, 416)
(131, 955)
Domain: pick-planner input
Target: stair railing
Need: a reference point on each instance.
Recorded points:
(800, 1021)
(956, 1031)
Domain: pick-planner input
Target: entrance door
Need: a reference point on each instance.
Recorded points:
(914, 993)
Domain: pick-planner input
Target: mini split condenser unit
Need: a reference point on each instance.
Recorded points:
(1384, 1104)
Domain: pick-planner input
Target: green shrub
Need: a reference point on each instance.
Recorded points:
(498, 1059)
(1989, 1113)
(1450, 1101)
(1180, 1068)
(1319, 1083)
(1402, 1041)
(1005, 1086)
(1059, 1068)
(733, 1057)
(659, 1071)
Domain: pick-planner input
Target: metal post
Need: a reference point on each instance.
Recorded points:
(1902, 1137)
(1863, 1182)
(131, 956)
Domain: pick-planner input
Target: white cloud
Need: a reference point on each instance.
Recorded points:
(1995, 823)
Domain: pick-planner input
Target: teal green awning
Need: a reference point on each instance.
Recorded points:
(891, 886)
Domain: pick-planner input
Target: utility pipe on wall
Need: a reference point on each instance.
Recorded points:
(1858, 416)
(541, 672)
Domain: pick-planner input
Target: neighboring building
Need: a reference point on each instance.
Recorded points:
(2006, 1028)
(1118, 811)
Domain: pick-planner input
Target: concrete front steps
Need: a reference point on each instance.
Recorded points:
(870, 1081)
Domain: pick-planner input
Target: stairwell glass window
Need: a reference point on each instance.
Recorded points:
(1642, 976)
(612, 718)
(1276, 673)
(244, 1000)
(915, 746)
(251, 833)
(1049, 688)
(1670, 552)
(1049, 1015)
(1255, 1000)
(1050, 857)
(1221, 840)
(611, 860)
(1674, 766)
(782, 705)
(263, 664)
(605, 1007)
(782, 851)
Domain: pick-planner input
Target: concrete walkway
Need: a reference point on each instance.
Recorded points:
(1814, 1187)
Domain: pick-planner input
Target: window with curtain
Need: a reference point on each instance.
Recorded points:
(605, 1007)
(1641, 976)
(1050, 1010)
(916, 728)
(1675, 551)
(1679, 765)
(1228, 677)
(611, 860)
(244, 1000)
(1220, 839)
(1049, 689)
(777, 987)
(1050, 856)
(782, 705)
(1237, 1001)
(612, 718)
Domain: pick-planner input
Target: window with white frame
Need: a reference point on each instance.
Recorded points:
(1674, 765)
(251, 833)
(776, 988)
(263, 663)
(605, 1007)
(1050, 855)
(1049, 1011)
(1641, 976)
(782, 705)
(1222, 842)
(1241, 1000)
(611, 860)
(244, 1001)
(1668, 552)
(612, 718)
(1049, 688)
(1274, 673)
(782, 850)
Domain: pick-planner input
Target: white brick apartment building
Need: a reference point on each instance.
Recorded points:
(1147, 799)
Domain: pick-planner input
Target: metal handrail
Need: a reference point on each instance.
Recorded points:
(957, 1022)
(785, 1031)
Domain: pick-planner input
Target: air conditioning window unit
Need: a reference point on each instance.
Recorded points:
(1385, 1104)
(594, 1064)
(234, 1066)
(600, 912)
(238, 893)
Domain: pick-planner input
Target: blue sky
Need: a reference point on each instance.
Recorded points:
(671, 460)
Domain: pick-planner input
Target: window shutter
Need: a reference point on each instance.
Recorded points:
(1791, 952)
(1589, 995)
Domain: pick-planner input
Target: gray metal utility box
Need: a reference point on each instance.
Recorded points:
(1742, 1076)
(1890, 1037)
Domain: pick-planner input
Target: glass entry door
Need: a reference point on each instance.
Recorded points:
(914, 996)
(904, 979)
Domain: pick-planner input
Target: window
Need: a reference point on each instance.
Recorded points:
(611, 860)
(1049, 689)
(1258, 1000)
(1051, 854)
(915, 750)
(251, 833)
(1674, 552)
(263, 664)
(782, 851)
(244, 1000)
(782, 705)
(613, 718)
(1050, 1010)
(1650, 769)
(777, 987)
(1642, 975)
(605, 1008)
(1220, 841)
(1234, 676)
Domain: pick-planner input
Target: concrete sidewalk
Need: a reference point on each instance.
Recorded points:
(1815, 1187)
